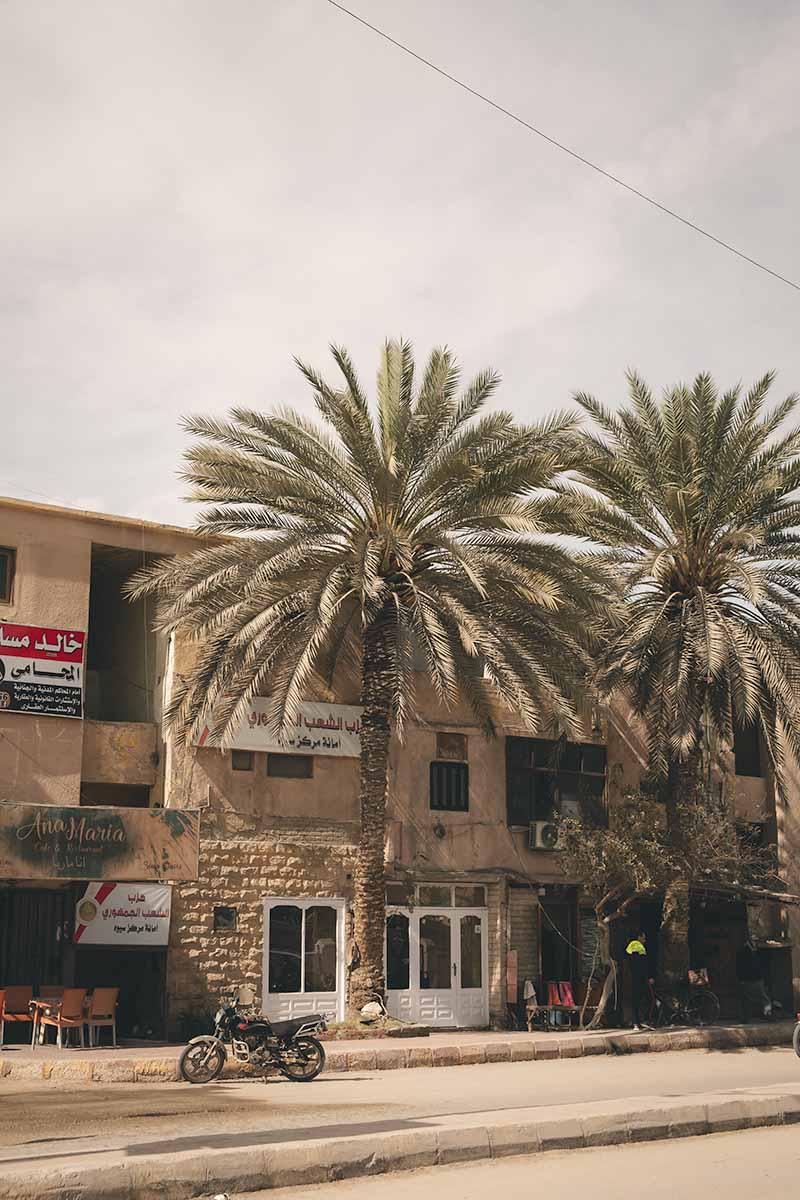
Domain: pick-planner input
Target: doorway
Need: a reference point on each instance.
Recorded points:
(437, 966)
(32, 925)
(140, 974)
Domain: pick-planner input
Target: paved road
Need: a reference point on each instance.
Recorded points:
(42, 1119)
(758, 1164)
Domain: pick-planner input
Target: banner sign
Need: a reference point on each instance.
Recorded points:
(123, 914)
(44, 841)
(329, 729)
(41, 670)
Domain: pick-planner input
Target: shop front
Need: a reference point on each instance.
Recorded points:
(437, 967)
(84, 902)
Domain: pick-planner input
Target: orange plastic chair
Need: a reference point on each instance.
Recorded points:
(67, 1014)
(16, 1007)
(102, 1013)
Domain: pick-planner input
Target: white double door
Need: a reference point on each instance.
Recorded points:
(437, 966)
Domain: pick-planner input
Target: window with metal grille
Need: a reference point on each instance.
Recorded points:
(449, 789)
(242, 760)
(8, 560)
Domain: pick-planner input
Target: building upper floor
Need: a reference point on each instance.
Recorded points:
(456, 799)
(81, 669)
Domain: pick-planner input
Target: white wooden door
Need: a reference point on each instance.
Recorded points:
(437, 966)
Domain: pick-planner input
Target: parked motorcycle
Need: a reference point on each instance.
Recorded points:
(288, 1046)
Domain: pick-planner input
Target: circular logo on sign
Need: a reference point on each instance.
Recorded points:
(87, 911)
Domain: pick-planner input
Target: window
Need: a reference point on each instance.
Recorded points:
(434, 895)
(224, 919)
(469, 896)
(449, 786)
(241, 760)
(290, 766)
(399, 893)
(398, 956)
(747, 750)
(8, 562)
(302, 947)
(545, 778)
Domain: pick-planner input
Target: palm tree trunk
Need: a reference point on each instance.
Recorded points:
(683, 784)
(369, 900)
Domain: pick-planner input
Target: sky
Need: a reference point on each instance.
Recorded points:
(193, 192)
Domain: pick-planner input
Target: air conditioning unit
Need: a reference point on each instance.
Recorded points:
(543, 835)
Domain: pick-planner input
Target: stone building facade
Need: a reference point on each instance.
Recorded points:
(477, 903)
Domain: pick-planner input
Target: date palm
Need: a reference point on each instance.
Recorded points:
(695, 500)
(407, 535)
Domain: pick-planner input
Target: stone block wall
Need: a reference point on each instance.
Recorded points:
(240, 872)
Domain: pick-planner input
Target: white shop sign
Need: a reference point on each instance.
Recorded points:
(123, 914)
(328, 729)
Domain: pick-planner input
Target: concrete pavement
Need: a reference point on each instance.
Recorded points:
(178, 1141)
(762, 1164)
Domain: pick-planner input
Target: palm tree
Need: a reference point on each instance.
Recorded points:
(694, 500)
(374, 538)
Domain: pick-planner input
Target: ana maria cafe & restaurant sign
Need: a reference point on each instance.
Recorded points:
(43, 841)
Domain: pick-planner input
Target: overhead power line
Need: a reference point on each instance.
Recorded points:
(506, 112)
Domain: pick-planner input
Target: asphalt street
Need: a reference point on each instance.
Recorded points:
(41, 1119)
(757, 1164)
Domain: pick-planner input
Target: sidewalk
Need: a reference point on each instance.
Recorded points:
(151, 1064)
(276, 1159)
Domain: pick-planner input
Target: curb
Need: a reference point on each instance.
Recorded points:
(297, 1164)
(398, 1057)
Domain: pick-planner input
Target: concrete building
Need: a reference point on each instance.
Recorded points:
(477, 901)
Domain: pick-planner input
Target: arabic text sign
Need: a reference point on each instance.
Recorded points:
(43, 841)
(328, 729)
(130, 914)
(41, 670)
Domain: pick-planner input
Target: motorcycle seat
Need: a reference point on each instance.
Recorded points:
(285, 1029)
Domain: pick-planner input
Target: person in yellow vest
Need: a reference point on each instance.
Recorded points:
(636, 954)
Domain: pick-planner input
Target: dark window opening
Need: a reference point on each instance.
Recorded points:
(121, 662)
(115, 795)
(224, 919)
(242, 760)
(747, 750)
(545, 779)
(8, 562)
(449, 786)
(290, 766)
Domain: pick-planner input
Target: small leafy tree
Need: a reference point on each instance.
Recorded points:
(636, 859)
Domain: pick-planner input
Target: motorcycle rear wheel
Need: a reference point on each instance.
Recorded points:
(197, 1065)
(302, 1060)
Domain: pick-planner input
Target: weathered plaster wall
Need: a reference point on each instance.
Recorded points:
(120, 752)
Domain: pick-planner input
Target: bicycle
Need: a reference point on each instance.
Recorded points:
(699, 1007)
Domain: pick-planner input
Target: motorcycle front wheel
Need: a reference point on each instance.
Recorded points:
(201, 1062)
(302, 1060)
(796, 1039)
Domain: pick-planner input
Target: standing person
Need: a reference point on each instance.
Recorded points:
(636, 954)
(753, 995)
